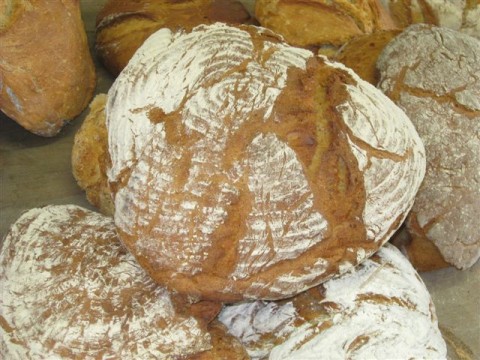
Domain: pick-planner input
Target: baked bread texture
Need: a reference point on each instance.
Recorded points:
(432, 74)
(361, 53)
(123, 25)
(71, 291)
(460, 15)
(322, 24)
(90, 159)
(242, 167)
(47, 76)
(380, 310)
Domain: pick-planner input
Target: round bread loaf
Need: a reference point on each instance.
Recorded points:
(320, 23)
(380, 310)
(432, 73)
(47, 76)
(71, 291)
(90, 159)
(361, 53)
(243, 167)
(123, 25)
(461, 15)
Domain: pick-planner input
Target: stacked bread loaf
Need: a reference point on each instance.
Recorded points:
(239, 172)
(47, 76)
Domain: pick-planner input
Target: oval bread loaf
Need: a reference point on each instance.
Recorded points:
(47, 76)
(243, 167)
(71, 291)
(320, 23)
(432, 73)
(123, 25)
(380, 310)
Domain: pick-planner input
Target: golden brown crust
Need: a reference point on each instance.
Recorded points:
(361, 53)
(47, 73)
(123, 25)
(90, 157)
(319, 23)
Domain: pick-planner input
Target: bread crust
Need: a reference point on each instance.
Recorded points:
(319, 23)
(430, 72)
(47, 76)
(123, 25)
(256, 175)
(90, 159)
(70, 290)
(380, 310)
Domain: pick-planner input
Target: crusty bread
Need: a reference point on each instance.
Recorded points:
(71, 291)
(320, 23)
(243, 167)
(361, 53)
(123, 25)
(47, 76)
(380, 310)
(432, 73)
(90, 159)
(461, 15)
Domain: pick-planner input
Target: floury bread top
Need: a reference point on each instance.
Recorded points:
(246, 168)
(379, 310)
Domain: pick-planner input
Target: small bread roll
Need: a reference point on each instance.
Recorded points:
(47, 76)
(380, 310)
(432, 74)
(90, 159)
(320, 23)
(123, 25)
(242, 167)
(71, 291)
(460, 15)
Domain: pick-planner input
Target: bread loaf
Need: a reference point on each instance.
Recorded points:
(90, 159)
(246, 168)
(361, 53)
(320, 23)
(47, 76)
(380, 310)
(432, 74)
(71, 291)
(123, 25)
(461, 15)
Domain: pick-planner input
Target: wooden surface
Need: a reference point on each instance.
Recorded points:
(36, 171)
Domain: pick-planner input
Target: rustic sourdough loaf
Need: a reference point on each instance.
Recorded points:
(47, 76)
(71, 291)
(461, 15)
(123, 25)
(380, 310)
(432, 74)
(90, 159)
(322, 24)
(242, 167)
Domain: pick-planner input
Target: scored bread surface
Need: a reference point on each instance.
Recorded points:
(70, 291)
(438, 86)
(243, 167)
(379, 310)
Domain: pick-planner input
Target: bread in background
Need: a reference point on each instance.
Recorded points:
(432, 74)
(47, 76)
(123, 25)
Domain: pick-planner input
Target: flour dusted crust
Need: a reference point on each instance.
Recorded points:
(461, 15)
(432, 73)
(246, 168)
(380, 310)
(321, 23)
(70, 291)
(47, 76)
(123, 25)
(90, 158)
